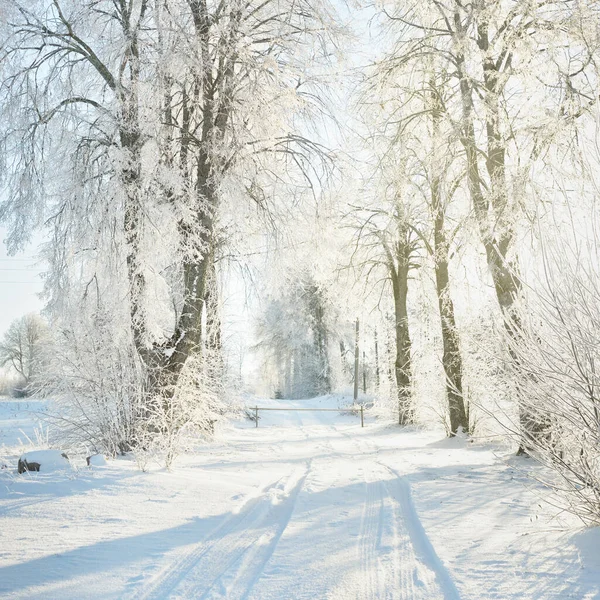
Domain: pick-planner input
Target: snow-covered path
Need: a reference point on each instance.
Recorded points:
(303, 535)
(353, 531)
(307, 506)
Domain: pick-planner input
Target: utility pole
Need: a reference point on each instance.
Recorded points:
(356, 359)
(376, 362)
(364, 373)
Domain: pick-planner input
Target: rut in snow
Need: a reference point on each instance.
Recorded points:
(423, 549)
(230, 560)
(395, 559)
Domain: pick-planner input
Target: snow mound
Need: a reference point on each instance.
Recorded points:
(453, 443)
(44, 461)
(587, 542)
(96, 460)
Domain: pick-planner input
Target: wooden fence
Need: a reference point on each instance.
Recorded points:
(360, 408)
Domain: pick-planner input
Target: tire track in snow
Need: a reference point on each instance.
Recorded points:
(245, 559)
(369, 542)
(372, 582)
(418, 544)
(423, 549)
(411, 552)
(403, 562)
(8, 507)
(239, 548)
(170, 577)
(388, 562)
(385, 554)
(246, 568)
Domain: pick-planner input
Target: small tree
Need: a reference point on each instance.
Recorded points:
(560, 381)
(294, 333)
(21, 349)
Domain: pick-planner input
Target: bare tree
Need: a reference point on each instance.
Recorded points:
(488, 49)
(156, 115)
(22, 349)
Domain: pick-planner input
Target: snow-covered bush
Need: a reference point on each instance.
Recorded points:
(559, 374)
(175, 424)
(96, 383)
(101, 404)
(22, 351)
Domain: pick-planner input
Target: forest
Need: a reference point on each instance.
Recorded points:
(396, 200)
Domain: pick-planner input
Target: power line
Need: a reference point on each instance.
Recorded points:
(18, 259)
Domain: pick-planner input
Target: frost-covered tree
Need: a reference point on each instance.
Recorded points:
(22, 348)
(504, 118)
(416, 141)
(384, 253)
(130, 128)
(293, 334)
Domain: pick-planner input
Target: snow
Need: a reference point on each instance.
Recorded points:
(19, 421)
(97, 460)
(49, 460)
(308, 505)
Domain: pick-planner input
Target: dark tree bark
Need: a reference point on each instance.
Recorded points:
(213, 87)
(451, 358)
(377, 374)
(402, 364)
(320, 338)
(356, 359)
(213, 338)
(399, 265)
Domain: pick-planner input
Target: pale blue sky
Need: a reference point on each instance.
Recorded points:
(19, 284)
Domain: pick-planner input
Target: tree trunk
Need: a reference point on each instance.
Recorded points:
(403, 346)
(213, 341)
(290, 375)
(131, 180)
(356, 360)
(496, 229)
(451, 358)
(343, 359)
(213, 358)
(320, 340)
(364, 372)
(377, 375)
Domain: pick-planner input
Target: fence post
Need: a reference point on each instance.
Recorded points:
(256, 415)
(362, 415)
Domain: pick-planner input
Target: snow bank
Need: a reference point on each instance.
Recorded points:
(44, 461)
(96, 460)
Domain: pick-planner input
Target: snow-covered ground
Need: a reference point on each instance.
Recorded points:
(308, 505)
(20, 422)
